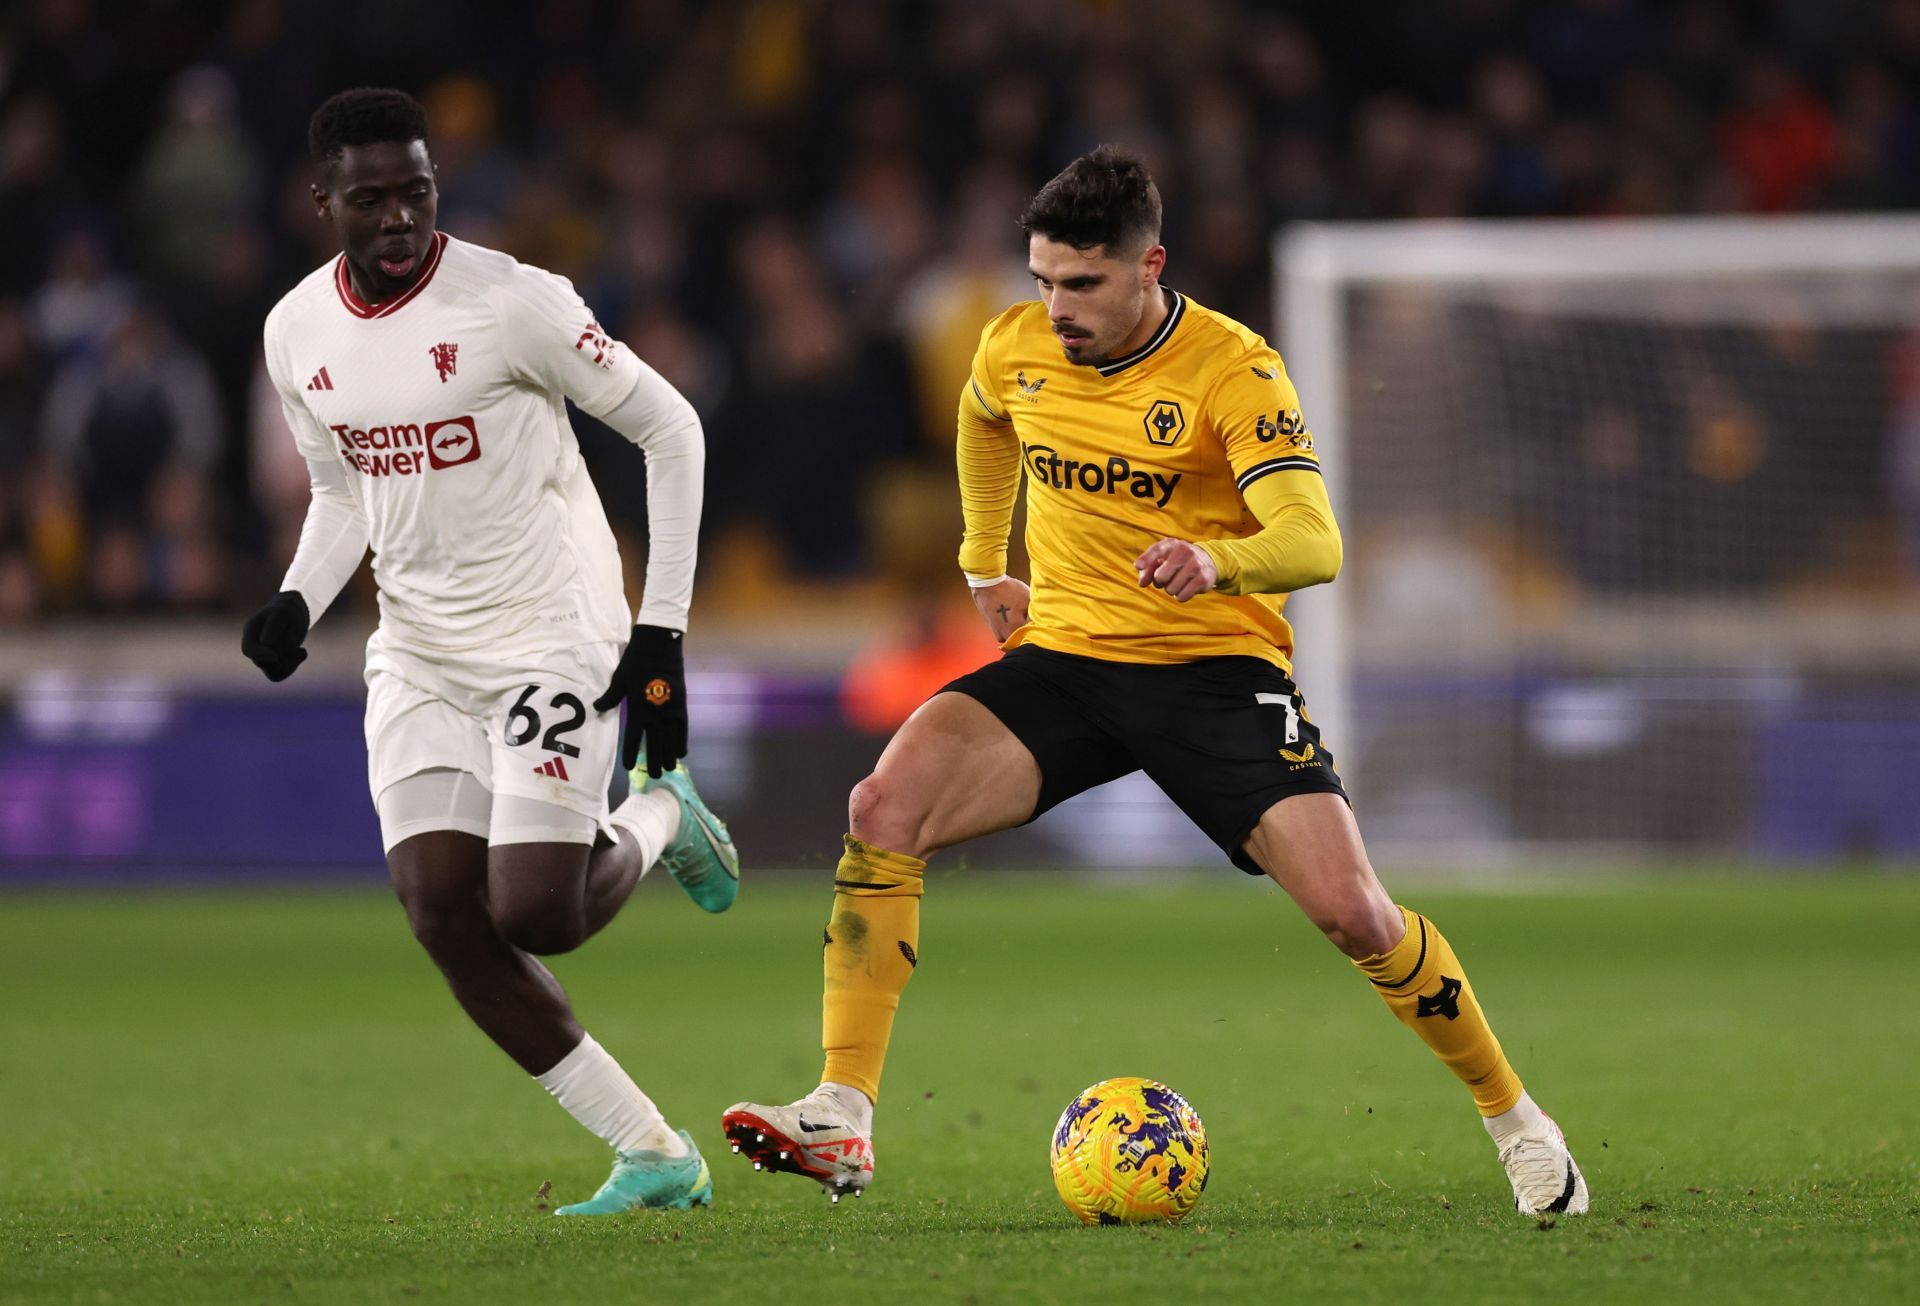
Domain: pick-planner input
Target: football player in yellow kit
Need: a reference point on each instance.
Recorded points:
(1174, 499)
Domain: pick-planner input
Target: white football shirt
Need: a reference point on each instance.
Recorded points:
(446, 407)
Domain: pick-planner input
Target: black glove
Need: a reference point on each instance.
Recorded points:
(652, 678)
(274, 634)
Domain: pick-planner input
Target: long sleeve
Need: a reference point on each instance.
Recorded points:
(1298, 545)
(555, 344)
(658, 418)
(333, 539)
(988, 455)
(335, 535)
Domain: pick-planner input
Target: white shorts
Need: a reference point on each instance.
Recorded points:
(524, 729)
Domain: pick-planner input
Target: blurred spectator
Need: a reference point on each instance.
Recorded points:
(1878, 163)
(19, 394)
(936, 641)
(1903, 453)
(1386, 147)
(198, 184)
(803, 213)
(1779, 139)
(20, 585)
(36, 199)
(936, 634)
(477, 178)
(1662, 139)
(822, 410)
(877, 232)
(135, 433)
(82, 302)
(976, 271)
(1512, 104)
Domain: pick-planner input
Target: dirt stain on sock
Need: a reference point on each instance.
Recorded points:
(849, 931)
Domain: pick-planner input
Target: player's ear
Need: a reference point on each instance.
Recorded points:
(322, 202)
(1153, 262)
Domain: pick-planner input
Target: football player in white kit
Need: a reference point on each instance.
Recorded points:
(425, 380)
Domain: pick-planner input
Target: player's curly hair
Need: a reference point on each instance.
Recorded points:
(366, 115)
(1105, 197)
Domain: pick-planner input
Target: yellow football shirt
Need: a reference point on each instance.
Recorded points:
(1162, 442)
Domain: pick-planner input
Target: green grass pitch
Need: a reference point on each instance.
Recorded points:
(267, 1096)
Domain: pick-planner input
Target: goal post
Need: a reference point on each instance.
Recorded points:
(1624, 529)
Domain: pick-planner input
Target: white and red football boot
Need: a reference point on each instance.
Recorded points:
(814, 1137)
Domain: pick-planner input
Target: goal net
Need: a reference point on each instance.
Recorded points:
(1632, 515)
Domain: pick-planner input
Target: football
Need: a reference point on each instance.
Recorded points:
(1129, 1151)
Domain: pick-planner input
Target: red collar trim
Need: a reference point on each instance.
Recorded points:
(343, 282)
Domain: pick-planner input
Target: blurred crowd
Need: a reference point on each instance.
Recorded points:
(800, 211)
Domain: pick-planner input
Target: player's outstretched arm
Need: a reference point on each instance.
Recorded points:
(333, 540)
(555, 344)
(987, 455)
(658, 418)
(651, 678)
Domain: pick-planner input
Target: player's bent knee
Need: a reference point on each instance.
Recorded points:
(444, 925)
(536, 894)
(544, 931)
(876, 815)
(1363, 926)
(439, 884)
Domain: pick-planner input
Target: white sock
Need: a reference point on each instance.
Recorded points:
(652, 817)
(856, 1106)
(595, 1091)
(1523, 1117)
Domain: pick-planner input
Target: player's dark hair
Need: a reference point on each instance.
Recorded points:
(1105, 197)
(366, 115)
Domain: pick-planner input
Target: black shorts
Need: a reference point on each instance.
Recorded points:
(1225, 738)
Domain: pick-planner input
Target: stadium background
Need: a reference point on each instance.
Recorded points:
(801, 213)
(1626, 648)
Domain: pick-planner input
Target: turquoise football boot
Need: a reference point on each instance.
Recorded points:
(648, 1180)
(701, 858)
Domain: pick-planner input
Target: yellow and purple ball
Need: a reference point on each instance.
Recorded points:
(1129, 1151)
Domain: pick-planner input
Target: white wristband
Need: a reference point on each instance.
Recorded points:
(981, 583)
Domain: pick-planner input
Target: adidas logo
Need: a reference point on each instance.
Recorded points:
(321, 381)
(557, 769)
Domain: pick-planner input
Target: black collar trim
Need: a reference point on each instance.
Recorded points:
(1175, 312)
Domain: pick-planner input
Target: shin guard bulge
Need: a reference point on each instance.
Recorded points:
(870, 951)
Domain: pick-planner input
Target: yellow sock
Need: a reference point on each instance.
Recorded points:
(1425, 986)
(870, 956)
